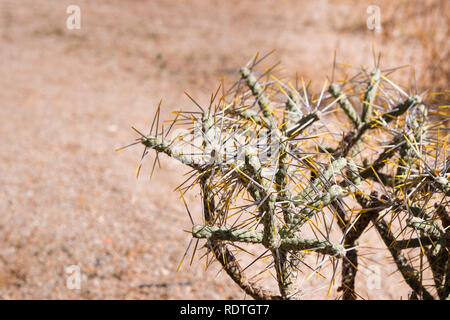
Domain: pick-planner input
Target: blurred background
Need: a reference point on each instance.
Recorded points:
(68, 97)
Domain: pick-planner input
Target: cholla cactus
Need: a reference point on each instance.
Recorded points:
(273, 163)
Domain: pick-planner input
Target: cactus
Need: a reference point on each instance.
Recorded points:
(272, 162)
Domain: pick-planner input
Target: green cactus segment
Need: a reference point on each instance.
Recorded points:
(293, 110)
(420, 213)
(428, 228)
(287, 273)
(253, 116)
(323, 200)
(228, 234)
(210, 130)
(270, 238)
(355, 177)
(413, 142)
(292, 104)
(323, 180)
(264, 103)
(335, 90)
(266, 197)
(287, 268)
(252, 236)
(370, 94)
(324, 247)
(281, 183)
(166, 147)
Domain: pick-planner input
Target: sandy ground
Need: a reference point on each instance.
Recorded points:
(68, 99)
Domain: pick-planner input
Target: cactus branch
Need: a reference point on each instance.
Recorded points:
(268, 160)
(264, 103)
(370, 94)
(345, 104)
(410, 275)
